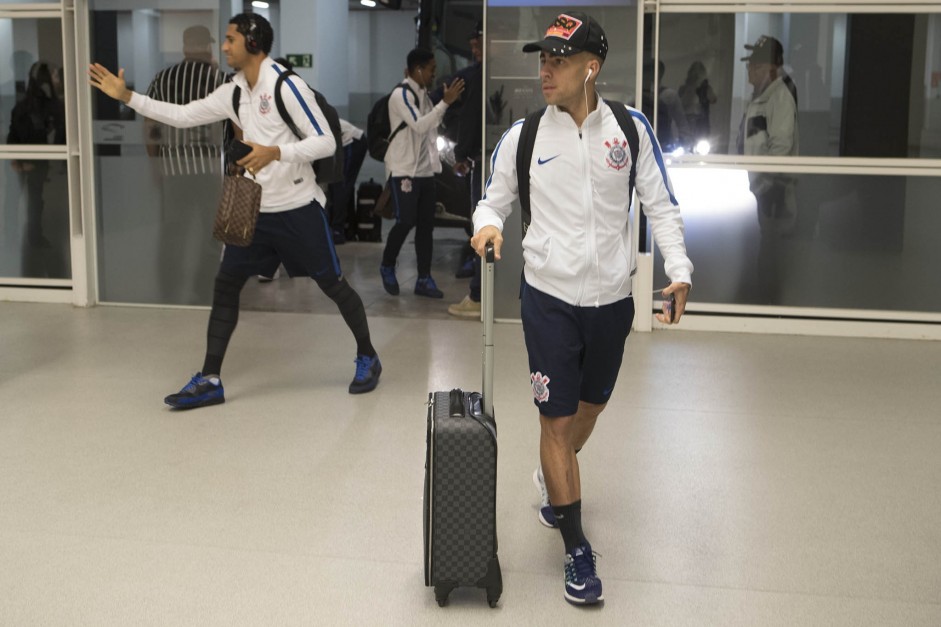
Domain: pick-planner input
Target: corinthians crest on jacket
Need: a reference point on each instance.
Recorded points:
(618, 157)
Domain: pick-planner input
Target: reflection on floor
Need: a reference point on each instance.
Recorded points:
(360, 263)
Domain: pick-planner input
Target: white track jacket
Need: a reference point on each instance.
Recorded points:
(286, 184)
(414, 150)
(578, 246)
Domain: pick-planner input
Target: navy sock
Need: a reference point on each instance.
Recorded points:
(569, 518)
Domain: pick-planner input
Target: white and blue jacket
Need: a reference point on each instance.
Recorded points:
(578, 246)
(288, 183)
(414, 150)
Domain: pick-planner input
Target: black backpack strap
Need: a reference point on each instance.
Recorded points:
(630, 132)
(524, 158)
(403, 124)
(236, 97)
(279, 103)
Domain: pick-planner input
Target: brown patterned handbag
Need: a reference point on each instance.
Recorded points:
(238, 211)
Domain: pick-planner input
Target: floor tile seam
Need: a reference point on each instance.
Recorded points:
(799, 593)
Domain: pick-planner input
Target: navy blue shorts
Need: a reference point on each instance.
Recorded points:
(300, 239)
(574, 352)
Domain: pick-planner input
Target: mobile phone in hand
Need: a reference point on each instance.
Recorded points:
(671, 308)
(238, 150)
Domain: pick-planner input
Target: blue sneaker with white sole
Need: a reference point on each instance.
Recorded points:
(582, 585)
(199, 392)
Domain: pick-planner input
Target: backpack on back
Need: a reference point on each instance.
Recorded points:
(379, 133)
(328, 169)
(524, 153)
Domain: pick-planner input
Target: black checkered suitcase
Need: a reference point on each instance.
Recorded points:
(461, 481)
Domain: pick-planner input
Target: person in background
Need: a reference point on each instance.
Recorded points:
(770, 127)
(468, 152)
(189, 162)
(411, 163)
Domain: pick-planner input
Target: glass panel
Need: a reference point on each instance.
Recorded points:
(34, 220)
(32, 108)
(158, 186)
(848, 71)
(813, 240)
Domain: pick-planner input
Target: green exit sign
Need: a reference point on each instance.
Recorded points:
(301, 60)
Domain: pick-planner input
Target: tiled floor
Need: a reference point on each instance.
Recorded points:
(733, 480)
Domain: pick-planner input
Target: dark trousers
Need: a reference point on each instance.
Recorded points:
(414, 202)
(474, 180)
(341, 193)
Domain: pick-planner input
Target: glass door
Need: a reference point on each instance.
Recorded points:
(35, 216)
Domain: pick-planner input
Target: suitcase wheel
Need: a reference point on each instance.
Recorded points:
(441, 594)
(492, 602)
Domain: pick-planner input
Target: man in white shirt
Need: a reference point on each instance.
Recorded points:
(411, 163)
(293, 225)
(577, 305)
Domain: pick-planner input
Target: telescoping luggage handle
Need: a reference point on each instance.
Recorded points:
(487, 302)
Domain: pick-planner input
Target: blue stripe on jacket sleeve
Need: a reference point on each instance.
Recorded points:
(407, 103)
(658, 155)
(310, 116)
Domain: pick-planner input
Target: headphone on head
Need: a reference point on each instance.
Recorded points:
(251, 44)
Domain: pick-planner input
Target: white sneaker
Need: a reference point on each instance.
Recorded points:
(546, 515)
(467, 308)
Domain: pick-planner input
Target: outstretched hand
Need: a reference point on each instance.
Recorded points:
(114, 86)
(453, 91)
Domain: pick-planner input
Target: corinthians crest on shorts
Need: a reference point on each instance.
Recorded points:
(540, 386)
(618, 157)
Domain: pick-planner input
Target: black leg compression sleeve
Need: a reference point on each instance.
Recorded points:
(222, 319)
(353, 312)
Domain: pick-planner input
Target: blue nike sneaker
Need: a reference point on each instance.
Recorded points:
(582, 585)
(389, 282)
(426, 286)
(367, 374)
(199, 392)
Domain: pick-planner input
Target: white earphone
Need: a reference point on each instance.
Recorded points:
(589, 75)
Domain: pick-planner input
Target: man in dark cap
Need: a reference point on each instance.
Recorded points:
(578, 260)
(769, 127)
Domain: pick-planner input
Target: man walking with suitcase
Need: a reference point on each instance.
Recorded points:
(577, 307)
(292, 225)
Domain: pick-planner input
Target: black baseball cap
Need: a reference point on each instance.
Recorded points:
(478, 31)
(571, 33)
(766, 50)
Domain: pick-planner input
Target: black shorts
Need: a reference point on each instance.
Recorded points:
(300, 239)
(574, 352)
